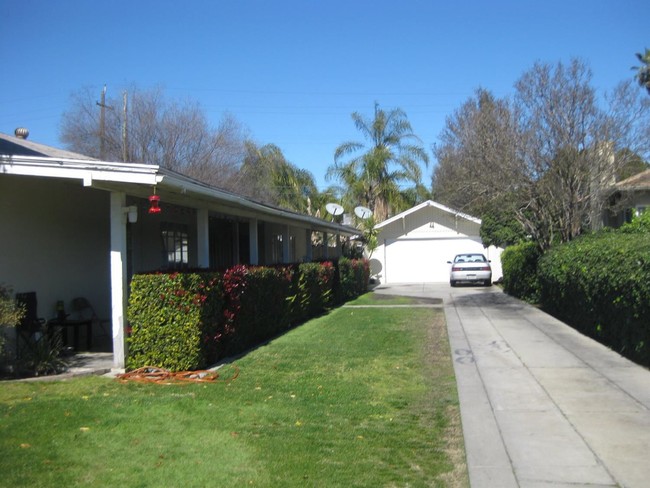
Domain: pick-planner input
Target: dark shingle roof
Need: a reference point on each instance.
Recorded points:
(640, 181)
(15, 146)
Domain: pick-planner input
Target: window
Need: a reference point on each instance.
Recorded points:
(277, 249)
(175, 246)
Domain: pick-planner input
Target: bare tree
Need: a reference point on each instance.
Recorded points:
(477, 155)
(172, 134)
(551, 155)
(569, 147)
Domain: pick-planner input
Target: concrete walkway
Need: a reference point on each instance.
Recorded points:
(541, 405)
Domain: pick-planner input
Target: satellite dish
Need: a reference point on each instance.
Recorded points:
(334, 208)
(363, 212)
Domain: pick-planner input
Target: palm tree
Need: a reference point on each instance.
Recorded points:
(271, 179)
(373, 178)
(294, 187)
(643, 71)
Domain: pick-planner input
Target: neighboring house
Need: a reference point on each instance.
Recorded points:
(74, 226)
(631, 197)
(415, 245)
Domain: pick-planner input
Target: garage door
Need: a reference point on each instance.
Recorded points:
(423, 260)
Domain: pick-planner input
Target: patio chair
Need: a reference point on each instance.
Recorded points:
(31, 329)
(83, 310)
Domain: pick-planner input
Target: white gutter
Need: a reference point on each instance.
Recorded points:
(84, 170)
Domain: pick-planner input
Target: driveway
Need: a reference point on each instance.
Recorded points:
(541, 405)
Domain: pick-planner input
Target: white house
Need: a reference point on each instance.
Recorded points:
(74, 226)
(415, 245)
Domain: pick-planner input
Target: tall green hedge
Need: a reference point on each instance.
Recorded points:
(174, 320)
(256, 305)
(354, 275)
(313, 290)
(185, 321)
(600, 284)
(519, 264)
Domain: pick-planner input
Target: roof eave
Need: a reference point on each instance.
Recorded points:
(429, 203)
(92, 172)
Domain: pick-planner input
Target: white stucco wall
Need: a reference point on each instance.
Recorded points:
(55, 241)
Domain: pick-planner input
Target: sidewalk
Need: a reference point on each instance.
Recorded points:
(541, 405)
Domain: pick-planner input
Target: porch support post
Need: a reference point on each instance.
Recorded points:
(235, 242)
(338, 245)
(326, 245)
(118, 276)
(309, 256)
(203, 237)
(286, 245)
(252, 241)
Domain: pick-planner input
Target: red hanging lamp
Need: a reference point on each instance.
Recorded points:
(154, 201)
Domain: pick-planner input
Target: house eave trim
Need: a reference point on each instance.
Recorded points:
(85, 170)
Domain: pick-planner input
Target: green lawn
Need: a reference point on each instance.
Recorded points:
(359, 397)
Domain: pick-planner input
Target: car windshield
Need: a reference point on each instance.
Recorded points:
(470, 258)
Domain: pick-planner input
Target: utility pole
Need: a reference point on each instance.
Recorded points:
(125, 145)
(102, 124)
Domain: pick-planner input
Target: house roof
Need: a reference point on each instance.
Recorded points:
(18, 146)
(139, 179)
(429, 203)
(640, 181)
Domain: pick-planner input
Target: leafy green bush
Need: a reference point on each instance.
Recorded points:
(354, 275)
(313, 291)
(11, 313)
(599, 284)
(256, 305)
(185, 321)
(174, 320)
(640, 224)
(519, 264)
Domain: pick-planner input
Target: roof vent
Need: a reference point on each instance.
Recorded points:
(21, 133)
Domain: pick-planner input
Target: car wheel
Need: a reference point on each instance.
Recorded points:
(452, 283)
(487, 282)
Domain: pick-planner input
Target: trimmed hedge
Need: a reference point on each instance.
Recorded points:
(186, 321)
(174, 319)
(314, 290)
(600, 285)
(519, 264)
(354, 276)
(256, 305)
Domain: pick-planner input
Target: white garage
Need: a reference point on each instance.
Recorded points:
(415, 245)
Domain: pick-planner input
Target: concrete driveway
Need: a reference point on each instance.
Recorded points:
(541, 405)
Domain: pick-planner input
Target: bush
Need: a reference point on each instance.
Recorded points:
(599, 285)
(11, 314)
(519, 264)
(354, 275)
(174, 320)
(185, 321)
(640, 224)
(256, 305)
(313, 290)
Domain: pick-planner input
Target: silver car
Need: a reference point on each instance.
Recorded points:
(471, 268)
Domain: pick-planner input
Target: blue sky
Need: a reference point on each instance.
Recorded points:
(292, 72)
